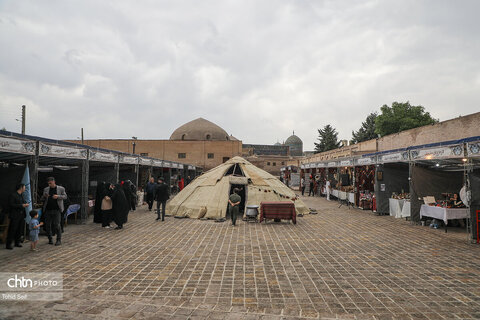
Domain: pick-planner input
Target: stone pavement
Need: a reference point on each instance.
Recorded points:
(341, 263)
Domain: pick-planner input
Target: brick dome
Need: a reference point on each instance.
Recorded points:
(200, 130)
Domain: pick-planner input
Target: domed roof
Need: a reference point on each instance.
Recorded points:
(293, 139)
(277, 144)
(199, 130)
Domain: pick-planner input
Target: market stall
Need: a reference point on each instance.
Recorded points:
(392, 186)
(438, 172)
(332, 176)
(364, 183)
(321, 178)
(15, 155)
(346, 181)
(473, 175)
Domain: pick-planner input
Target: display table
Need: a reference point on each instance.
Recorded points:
(351, 198)
(444, 214)
(396, 206)
(342, 195)
(405, 210)
(278, 210)
(335, 193)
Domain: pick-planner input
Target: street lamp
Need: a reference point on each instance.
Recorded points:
(134, 143)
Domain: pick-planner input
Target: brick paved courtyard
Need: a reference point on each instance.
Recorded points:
(339, 263)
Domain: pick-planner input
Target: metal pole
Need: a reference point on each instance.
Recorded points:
(137, 171)
(82, 136)
(117, 171)
(84, 195)
(410, 186)
(34, 175)
(23, 119)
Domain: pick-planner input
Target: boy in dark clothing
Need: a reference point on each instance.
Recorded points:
(161, 195)
(234, 202)
(150, 193)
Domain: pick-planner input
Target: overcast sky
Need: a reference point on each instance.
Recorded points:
(258, 69)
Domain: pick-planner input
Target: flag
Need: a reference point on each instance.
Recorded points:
(27, 195)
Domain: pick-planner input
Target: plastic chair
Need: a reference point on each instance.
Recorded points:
(72, 209)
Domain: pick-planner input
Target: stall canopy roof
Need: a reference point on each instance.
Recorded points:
(64, 152)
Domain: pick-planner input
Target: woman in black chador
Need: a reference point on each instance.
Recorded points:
(120, 206)
(99, 195)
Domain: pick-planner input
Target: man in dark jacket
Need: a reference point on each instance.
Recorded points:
(17, 215)
(149, 192)
(53, 209)
(161, 195)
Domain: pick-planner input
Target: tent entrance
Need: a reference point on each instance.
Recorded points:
(242, 194)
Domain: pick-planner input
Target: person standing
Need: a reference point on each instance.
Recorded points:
(150, 192)
(53, 208)
(310, 190)
(181, 183)
(302, 185)
(188, 180)
(16, 215)
(161, 195)
(34, 228)
(106, 205)
(120, 206)
(328, 188)
(234, 202)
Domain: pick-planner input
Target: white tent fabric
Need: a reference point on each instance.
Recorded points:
(207, 195)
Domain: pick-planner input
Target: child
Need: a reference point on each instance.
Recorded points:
(34, 230)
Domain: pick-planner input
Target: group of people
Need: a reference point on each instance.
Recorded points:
(313, 186)
(53, 207)
(113, 202)
(159, 192)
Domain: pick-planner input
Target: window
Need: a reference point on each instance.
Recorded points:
(210, 156)
(283, 163)
(183, 136)
(144, 154)
(268, 163)
(274, 164)
(208, 137)
(225, 159)
(182, 155)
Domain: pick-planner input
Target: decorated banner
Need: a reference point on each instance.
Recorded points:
(145, 161)
(346, 163)
(365, 161)
(321, 165)
(393, 157)
(167, 164)
(128, 159)
(454, 151)
(191, 168)
(157, 163)
(302, 166)
(473, 149)
(103, 156)
(52, 150)
(17, 145)
(332, 164)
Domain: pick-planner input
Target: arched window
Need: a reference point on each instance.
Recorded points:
(183, 136)
(208, 137)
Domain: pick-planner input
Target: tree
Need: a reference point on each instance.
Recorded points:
(328, 139)
(400, 117)
(366, 131)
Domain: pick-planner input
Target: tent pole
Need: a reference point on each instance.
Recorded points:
(410, 186)
(84, 193)
(137, 169)
(117, 171)
(34, 175)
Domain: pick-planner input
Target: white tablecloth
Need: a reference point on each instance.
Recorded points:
(342, 195)
(396, 206)
(405, 210)
(335, 193)
(351, 197)
(444, 214)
